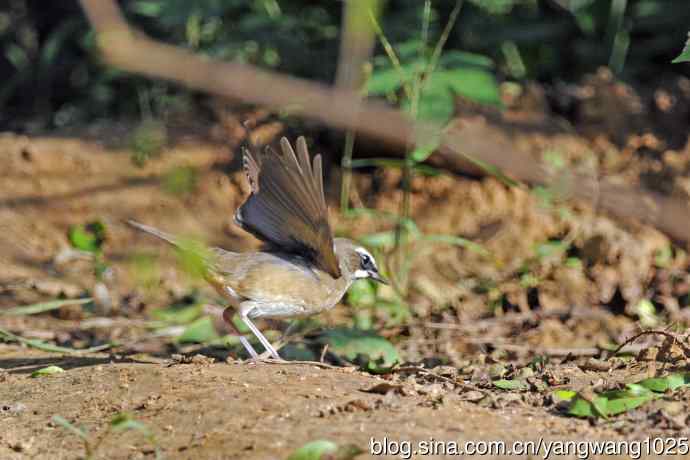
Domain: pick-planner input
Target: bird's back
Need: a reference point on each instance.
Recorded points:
(272, 277)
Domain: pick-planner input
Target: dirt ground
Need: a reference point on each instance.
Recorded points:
(242, 410)
(474, 317)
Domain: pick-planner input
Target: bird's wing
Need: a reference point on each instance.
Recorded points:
(287, 207)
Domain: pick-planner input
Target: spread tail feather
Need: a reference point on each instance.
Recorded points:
(155, 232)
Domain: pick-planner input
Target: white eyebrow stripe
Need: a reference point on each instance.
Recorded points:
(360, 250)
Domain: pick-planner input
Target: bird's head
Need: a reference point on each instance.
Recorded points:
(356, 262)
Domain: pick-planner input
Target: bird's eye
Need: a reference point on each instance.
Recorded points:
(366, 261)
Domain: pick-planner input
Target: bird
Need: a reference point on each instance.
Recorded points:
(301, 269)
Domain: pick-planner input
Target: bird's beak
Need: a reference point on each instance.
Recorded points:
(376, 276)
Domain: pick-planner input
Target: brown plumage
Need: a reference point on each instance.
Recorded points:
(302, 270)
(287, 207)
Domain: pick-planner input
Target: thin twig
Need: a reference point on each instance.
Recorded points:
(323, 353)
(674, 337)
(424, 371)
(436, 55)
(388, 48)
(305, 363)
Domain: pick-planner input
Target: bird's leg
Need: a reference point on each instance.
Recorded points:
(282, 341)
(288, 330)
(227, 316)
(244, 314)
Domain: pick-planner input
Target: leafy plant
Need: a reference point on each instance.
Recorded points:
(423, 81)
(413, 246)
(54, 73)
(366, 348)
(90, 238)
(614, 402)
(147, 140)
(199, 331)
(684, 55)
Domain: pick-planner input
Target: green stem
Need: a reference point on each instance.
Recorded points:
(436, 55)
(390, 52)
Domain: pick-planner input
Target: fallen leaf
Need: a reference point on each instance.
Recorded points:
(50, 370)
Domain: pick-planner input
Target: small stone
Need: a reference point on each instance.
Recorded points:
(13, 409)
(524, 373)
(597, 365)
(496, 371)
(446, 371)
(472, 396)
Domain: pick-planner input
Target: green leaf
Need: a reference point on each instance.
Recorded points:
(87, 238)
(453, 58)
(564, 395)
(611, 402)
(178, 313)
(646, 310)
(664, 257)
(409, 49)
(63, 422)
(362, 293)
(325, 450)
(373, 352)
(620, 405)
(200, 331)
(436, 102)
(393, 163)
(677, 380)
(50, 370)
(658, 385)
(42, 307)
(504, 384)
(379, 240)
(473, 83)
(550, 248)
(124, 421)
(297, 352)
(580, 407)
(599, 405)
(422, 152)
(146, 8)
(663, 384)
(384, 81)
(684, 55)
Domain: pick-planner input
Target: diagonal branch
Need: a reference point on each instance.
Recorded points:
(341, 108)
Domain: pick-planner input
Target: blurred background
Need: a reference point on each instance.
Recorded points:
(53, 76)
(583, 86)
(510, 288)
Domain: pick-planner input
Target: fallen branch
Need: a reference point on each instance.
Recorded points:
(341, 108)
